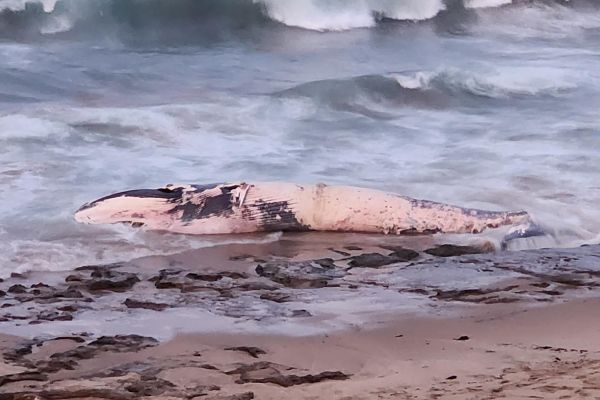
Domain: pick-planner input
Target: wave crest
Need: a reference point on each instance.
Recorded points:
(377, 95)
(57, 16)
(348, 14)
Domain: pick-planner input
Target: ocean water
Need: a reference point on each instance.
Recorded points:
(492, 104)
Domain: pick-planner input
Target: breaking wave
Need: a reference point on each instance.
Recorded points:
(47, 17)
(442, 89)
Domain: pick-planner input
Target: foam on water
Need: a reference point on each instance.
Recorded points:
(319, 15)
(19, 5)
(348, 14)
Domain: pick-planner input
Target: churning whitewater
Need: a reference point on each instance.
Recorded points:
(490, 104)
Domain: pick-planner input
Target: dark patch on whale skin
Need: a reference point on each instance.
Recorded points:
(278, 216)
(171, 194)
(212, 205)
(162, 193)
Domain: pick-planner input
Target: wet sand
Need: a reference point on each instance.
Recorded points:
(306, 321)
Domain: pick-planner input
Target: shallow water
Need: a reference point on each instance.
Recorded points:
(480, 104)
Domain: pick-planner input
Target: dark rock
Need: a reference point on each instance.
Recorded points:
(551, 292)
(239, 396)
(485, 295)
(18, 288)
(142, 368)
(68, 308)
(452, 377)
(39, 285)
(462, 338)
(168, 284)
(251, 351)
(326, 262)
(99, 267)
(54, 316)
(371, 260)
(118, 343)
(23, 376)
(149, 386)
(301, 313)
(299, 275)
(108, 394)
(69, 293)
(131, 303)
(76, 339)
(53, 366)
(213, 277)
(204, 277)
(2, 293)
(24, 348)
(164, 273)
(52, 295)
(133, 342)
(74, 278)
(353, 248)
(111, 280)
(276, 297)
(200, 390)
(78, 353)
(16, 317)
(450, 250)
(340, 252)
(264, 372)
(376, 260)
(257, 286)
(241, 257)
(458, 294)
(404, 255)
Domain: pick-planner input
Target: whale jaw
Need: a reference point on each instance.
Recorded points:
(142, 207)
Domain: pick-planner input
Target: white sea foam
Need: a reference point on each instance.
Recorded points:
(551, 21)
(486, 3)
(19, 126)
(515, 127)
(348, 14)
(498, 83)
(18, 5)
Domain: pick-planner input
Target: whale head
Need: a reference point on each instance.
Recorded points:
(139, 207)
(195, 209)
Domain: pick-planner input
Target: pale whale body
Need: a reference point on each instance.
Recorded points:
(276, 206)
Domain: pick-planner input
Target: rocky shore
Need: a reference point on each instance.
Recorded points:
(352, 319)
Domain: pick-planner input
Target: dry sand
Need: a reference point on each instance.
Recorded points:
(550, 352)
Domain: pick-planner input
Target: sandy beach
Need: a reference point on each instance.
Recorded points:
(301, 319)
